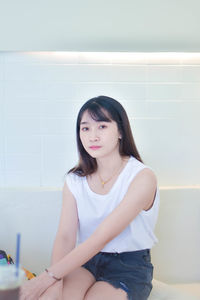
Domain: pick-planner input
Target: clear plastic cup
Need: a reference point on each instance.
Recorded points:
(10, 282)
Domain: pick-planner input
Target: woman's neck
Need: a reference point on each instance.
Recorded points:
(107, 165)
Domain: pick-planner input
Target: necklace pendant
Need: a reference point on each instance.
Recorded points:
(102, 183)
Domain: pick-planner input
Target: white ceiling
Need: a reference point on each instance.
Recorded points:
(104, 25)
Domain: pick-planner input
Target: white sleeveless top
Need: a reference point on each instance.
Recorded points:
(93, 208)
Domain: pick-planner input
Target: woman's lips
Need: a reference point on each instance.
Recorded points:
(95, 147)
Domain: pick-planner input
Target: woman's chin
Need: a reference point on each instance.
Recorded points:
(95, 154)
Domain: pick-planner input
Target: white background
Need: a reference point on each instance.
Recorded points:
(42, 92)
(91, 25)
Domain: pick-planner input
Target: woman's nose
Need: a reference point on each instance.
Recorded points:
(93, 135)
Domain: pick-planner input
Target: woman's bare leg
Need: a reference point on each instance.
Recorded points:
(104, 290)
(76, 284)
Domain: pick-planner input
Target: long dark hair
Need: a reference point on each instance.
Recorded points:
(103, 108)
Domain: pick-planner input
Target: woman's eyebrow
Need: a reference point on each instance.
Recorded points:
(99, 121)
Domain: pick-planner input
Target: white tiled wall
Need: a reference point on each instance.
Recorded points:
(42, 92)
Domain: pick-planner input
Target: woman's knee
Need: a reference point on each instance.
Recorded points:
(76, 284)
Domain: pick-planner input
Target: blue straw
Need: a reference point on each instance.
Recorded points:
(17, 254)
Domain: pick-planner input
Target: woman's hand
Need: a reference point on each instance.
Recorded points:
(54, 292)
(35, 287)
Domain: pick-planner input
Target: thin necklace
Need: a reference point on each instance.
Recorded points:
(103, 182)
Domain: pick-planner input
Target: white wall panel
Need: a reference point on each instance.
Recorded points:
(22, 89)
(57, 126)
(26, 178)
(22, 108)
(160, 91)
(190, 74)
(59, 109)
(1, 71)
(21, 125)
(23, 144)
(42, 92)
(22, 162)
(190, 91)
(164, 74)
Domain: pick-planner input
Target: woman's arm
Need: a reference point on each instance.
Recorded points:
(65, 239)
(64, 242)
(66, 235)
(140, 195)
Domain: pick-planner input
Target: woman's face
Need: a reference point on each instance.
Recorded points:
(99, 138)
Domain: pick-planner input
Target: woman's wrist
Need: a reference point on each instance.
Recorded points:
(52, 275)
(47, 280)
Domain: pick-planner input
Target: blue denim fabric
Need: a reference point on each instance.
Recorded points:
(131, 271)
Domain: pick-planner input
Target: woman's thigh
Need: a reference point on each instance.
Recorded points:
(103, 290)
(76, 284)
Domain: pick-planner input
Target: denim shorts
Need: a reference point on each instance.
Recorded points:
(131, 271)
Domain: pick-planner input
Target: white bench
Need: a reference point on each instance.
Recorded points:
(176, 258)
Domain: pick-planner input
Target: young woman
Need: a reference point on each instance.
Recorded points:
(111, 201)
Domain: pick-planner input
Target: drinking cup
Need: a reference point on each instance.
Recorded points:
(10, 282)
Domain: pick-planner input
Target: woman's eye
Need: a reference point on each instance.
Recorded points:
(84, 128)
(102, 126)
